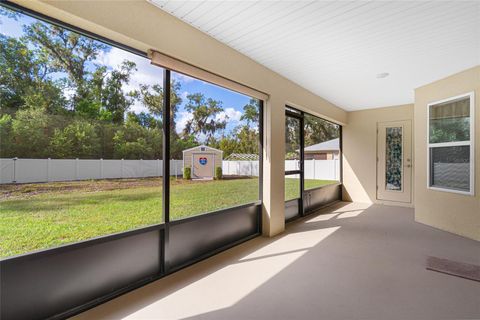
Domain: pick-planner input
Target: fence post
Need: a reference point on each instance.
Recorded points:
(15, 170)
(176, 172)
(121, 168)
(101, 168)
(48, 170)
(76, 169)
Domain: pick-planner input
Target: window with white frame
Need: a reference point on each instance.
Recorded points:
(450, 144)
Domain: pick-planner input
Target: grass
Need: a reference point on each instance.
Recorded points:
(39, 216)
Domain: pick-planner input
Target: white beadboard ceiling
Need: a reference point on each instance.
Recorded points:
(337, 49)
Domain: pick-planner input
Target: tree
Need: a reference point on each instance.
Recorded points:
(8, 13)
(243, 139)
(132, 141)
(205, 117)
(106, 132)
(318, 130)
(292, 136)
(228, 145)
(65, 51)
(247, 140)
(113, 98)
(449, 129)
(61, 103)
(251, 112)
(152, 98)
(25, 79)
(77, 140)
(177, 145)
(31, 129)
(6, 143)
(144, 119)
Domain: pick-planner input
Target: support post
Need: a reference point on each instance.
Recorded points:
(273, 217)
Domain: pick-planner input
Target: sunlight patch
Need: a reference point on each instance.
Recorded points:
(229, 285)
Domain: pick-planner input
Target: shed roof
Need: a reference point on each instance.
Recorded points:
(330, 145)
(202, 146)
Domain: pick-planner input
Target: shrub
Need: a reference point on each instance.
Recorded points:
(218, 173)
(187, 173)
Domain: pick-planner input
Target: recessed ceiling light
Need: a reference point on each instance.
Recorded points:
(382, 75)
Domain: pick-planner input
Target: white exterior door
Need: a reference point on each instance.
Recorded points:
(394, 161)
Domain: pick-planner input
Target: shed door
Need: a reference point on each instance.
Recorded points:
(203, 164)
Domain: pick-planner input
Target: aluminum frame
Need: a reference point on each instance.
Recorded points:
(9, 265)
(326, 193)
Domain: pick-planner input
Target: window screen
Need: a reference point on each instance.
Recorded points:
(450, 167)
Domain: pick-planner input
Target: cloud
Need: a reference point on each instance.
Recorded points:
(182, 78)
(231, 114)
(184, 95)
(182, 118)
(145, 73)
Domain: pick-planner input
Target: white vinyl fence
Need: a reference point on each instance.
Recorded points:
(314, 169)
(50, 170)
(240, 168)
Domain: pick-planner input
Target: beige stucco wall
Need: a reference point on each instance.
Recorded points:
(138, 24)
(360, 150)
(448, 211)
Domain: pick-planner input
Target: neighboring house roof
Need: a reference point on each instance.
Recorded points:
(202, 146)
(242, 156)
(330, 145)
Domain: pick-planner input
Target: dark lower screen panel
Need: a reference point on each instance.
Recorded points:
(63, 281)
(317, 198)
(192, 238)
(44, 284)
(292, 209)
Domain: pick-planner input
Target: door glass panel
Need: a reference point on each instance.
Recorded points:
(393, 157)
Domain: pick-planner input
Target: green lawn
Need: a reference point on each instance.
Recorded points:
(39, 216)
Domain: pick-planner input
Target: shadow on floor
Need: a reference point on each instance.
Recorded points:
(346, 261)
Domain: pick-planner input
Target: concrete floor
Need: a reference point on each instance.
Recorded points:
(353, 261)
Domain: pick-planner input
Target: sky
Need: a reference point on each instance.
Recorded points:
(146, 73)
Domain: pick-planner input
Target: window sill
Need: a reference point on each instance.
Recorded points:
(465, 193)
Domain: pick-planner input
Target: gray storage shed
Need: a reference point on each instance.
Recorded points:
(202, 160)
